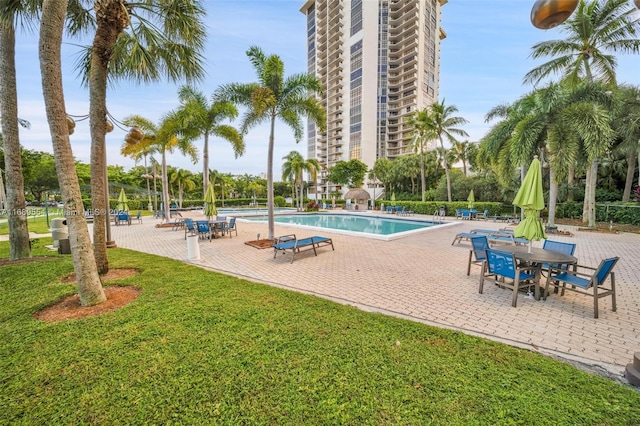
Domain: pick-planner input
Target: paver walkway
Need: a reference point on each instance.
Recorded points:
(423, 277)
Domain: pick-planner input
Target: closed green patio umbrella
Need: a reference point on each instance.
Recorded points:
(530, 198)
(471, 199)
(210, 202)
(123, 202)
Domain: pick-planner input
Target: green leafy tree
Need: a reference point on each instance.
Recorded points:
(350, 173)
(199, 118)
(381, 169)
(275, 97)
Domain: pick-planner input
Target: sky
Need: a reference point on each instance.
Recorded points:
(483, 61)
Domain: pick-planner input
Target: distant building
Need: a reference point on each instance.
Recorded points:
(379, 61)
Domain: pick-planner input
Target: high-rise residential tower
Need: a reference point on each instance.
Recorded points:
(379, 61)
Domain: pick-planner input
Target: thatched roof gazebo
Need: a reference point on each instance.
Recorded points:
(361, 196)
(358, 194)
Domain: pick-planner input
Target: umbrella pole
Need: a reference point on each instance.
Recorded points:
(530, 243)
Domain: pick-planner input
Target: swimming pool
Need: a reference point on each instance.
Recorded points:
(377, 227)
(251, 211)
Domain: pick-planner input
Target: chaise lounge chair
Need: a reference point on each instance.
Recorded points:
(290, 242)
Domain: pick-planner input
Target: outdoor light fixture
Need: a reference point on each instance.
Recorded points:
(71, 125)
(546, 14)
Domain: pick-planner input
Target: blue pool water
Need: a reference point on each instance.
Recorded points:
(251, 211)
(369, 226)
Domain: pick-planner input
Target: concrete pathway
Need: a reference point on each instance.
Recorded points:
(423, 278)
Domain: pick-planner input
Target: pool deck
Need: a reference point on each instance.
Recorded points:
(423, 278)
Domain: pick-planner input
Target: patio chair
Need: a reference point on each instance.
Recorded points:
(567, 248)
(400, 210)
(230, 227)
(204, 230)
(189, 227)
(290, 242)
(477, 254)
(501, 268)
(123, 217)
(139, 216)
(458, 213)
(466, 214)
(484, 215)
(585, 278)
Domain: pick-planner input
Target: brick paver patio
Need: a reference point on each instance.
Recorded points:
(423, 278)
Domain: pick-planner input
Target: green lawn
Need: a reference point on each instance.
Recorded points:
(198, 347)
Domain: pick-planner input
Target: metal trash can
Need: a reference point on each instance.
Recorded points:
(59, 230)
(193, 247)
(64, 247)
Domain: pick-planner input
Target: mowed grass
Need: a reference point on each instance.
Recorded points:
(198, 347)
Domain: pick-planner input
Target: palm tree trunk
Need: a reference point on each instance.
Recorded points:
(592, 194)
(148, 187)
(570, 182)
(631, 167)
(422, 175)
(270, 218)
(15, 202)
(205, 164)
(165, 188)
(553, 197)
(98, 113)
(446, 169)
(587, 196)
(87, 278)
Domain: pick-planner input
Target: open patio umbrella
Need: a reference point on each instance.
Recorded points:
(210, 202)
(471, 199)
(123, 202)
(531, 199)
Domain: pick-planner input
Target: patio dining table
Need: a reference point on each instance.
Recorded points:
(216, 225)
(537, 258)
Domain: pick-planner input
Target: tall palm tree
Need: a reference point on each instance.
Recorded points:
(422, 134)
(12, 12)
(292, 170)
(184, 180)
(313, 167)
(140, 41)
(627, 124)
(89, 286)
(462, 152)
(445, 125)
(554, 122)
(142, 149)
(595, 30)
(165, 138)
(201, 118)
(275, 97)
